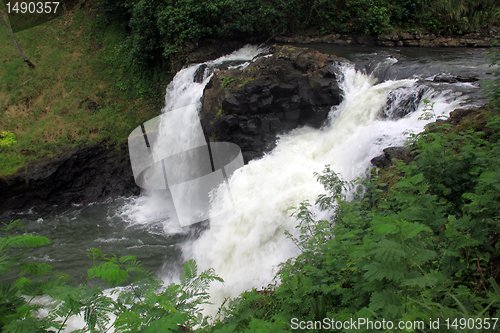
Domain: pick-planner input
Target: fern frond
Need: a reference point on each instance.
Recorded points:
(388, 250)
(190, 273)
(30, 241)
(392, 271)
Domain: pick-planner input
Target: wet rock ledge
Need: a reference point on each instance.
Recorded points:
(288, 88)
(88, 173)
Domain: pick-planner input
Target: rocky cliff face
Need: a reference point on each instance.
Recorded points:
(89, 173)
(288, 88)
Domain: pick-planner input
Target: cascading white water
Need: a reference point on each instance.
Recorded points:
(178, 132)
(245, 244)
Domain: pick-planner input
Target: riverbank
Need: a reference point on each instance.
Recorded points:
(413, 38)
(85, 174)
(69, 116)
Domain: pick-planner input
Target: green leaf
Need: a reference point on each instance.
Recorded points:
(392, 271)
(388, 250)
(386, 228)
(127, 258)
(190, 271)
(495, 286)
(30, 241)
(410, 230)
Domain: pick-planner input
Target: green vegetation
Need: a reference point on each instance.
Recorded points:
(144, 306)
(428, 112)
(159, 33)
(226, 81)
(75, 93)
(7, 139)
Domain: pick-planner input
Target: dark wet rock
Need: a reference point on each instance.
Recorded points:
(415, 38)
(467, 78)
(392, 153)
(425, 39)
(446, 78)
(89, 173)
(349, 39)
(460, 120)
(398, 153)
(380, 161)
(403, 101)
(450, 78)
(200, 73)
(291, 87)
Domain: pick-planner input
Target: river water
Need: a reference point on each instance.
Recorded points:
(245, 244)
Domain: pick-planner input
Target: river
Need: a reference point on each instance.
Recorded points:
(245, 244)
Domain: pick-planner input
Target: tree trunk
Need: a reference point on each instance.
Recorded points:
(15, 40)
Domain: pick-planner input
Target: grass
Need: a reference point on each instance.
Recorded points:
(74, 94)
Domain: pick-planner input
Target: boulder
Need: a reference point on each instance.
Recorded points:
(200, 72)
(288, 88)
(398, 153)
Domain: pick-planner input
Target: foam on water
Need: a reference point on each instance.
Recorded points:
(245, 244)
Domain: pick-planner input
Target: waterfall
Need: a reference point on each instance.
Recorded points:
(177, 130)
(246, 242)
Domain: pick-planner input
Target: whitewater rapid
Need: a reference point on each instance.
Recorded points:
(246, 243)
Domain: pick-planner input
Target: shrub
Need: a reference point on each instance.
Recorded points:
(7, 139)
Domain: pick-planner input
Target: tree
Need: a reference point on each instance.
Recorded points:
(15, 40)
